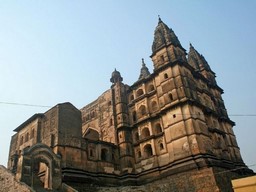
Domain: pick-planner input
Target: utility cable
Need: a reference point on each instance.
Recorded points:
(23, 104)
(46, 106)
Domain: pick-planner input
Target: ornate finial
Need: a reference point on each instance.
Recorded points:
(144, 70)
(143, 63)
(159, 19)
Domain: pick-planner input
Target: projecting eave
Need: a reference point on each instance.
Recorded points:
(35, 116)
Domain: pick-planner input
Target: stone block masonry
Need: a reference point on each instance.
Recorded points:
(8, 183)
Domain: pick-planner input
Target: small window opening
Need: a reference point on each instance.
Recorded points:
(136, 136)
(26, 137)
(104, 154)
(145, 133)
(32, 134)
(170, 96)
(142, 110)
(162, 58)
(148, 150)
(21, 140)
(134, 116)
(161, 146)
(91, 153)
(139, 154)
(140, 92)
(158, 128)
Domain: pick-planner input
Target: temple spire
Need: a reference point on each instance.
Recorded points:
(144, 72)
(164, 36)
(198, 62)
(166, 46)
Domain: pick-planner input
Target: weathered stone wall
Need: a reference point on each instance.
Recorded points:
(8, 182)
(192, 181)
(98, 116)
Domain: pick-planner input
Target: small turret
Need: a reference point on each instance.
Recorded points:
(144, 72)
(116, 77)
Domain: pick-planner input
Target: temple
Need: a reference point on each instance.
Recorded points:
(169, 126)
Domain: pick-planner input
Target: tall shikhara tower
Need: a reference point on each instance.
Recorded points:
(169, 131)
(179, 121)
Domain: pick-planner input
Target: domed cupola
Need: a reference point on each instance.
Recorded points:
(144, 72)
(116, 77)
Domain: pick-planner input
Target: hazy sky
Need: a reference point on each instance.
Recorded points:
(58, 51)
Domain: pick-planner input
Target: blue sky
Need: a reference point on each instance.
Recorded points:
(57, 51)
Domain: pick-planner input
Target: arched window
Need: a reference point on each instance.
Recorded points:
(142, 110)
(145, 133)
(162, 58)
(165, 75)
(140, 92)
(148, 150)
(91, 153)
(131, 97)
(139, 154)
(21, 140)
(136, 136)
(154, 106)
(161, 146)
(151, 88)
(32, 134)
(92, 114)
(26, 137)
(91, 134)
(104, 153)
(134, 116)
(158, 128)
(87, 117)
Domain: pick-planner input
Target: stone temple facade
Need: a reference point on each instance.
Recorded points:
(170, 129)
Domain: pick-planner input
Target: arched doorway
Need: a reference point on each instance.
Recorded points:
(41, 167)
(148, 151)
(41, 176)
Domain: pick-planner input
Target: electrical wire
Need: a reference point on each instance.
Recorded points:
(46, 106)
(23, 104)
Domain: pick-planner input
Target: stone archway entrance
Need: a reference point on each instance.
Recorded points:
(41, 173)
(40, 167)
